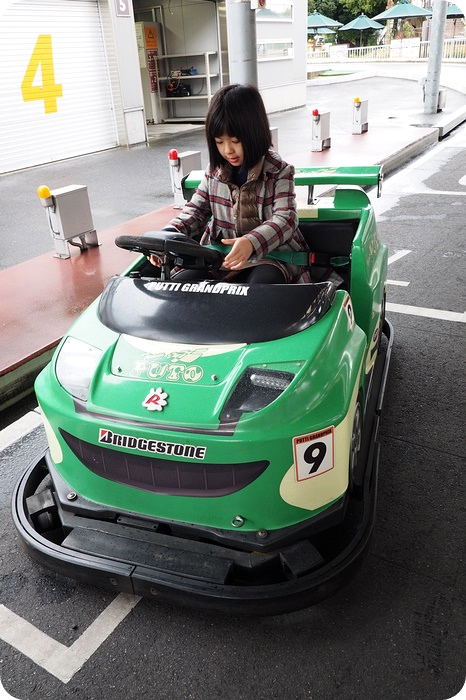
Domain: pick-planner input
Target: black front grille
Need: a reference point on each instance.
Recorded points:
(162, 475)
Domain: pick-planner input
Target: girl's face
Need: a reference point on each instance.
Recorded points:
(231, 149)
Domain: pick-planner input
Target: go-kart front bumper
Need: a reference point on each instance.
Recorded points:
(148, 559)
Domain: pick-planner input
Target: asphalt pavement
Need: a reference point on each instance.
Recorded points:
(130, 192)
(127, 183)
(396, 632)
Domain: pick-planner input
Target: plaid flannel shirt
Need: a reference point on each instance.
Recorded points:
(263, 210)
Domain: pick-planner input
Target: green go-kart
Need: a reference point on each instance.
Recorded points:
(216, 443)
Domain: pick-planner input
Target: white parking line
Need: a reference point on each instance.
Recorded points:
(427, 313)
(396, 256)
(398, 283)
(19, 429)
(56, 658)
(3, 693)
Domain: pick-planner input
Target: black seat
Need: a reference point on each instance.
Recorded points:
(330, 243)
(334, 238)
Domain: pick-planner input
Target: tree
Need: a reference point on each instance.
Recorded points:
(369, 7)
(328, 8)
(346, 10)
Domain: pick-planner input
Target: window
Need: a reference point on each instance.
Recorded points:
(275, 11)
(275, 50)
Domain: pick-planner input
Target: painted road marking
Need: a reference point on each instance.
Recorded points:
(62, 661)
(396, 256)
(427, 313)
(393, 258)
(24, 425)
(3, 693)
(398, 283)
(56, 658)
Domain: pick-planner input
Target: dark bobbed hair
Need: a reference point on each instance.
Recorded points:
(238, 111)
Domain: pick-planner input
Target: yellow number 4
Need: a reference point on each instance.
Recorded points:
(49, 91)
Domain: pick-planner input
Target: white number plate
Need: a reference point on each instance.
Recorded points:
(313, 453)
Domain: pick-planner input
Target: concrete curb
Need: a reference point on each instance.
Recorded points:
(382, 70)
(407, 153)
(444, 125)
(17, 381)
(451, 122)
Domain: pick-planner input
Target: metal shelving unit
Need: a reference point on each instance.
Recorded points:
(168, 104)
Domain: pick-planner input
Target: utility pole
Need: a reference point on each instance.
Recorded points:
(434, 65)
(242, 44)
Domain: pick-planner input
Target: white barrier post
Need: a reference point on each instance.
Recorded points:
(360, 110)
(320, 133)
(181, 165)
(69, 217)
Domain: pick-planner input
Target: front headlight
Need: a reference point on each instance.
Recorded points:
(75, 366)
(256, 389)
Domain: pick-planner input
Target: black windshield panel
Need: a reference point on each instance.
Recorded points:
(208, 313)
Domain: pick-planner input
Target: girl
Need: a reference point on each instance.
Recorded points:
(246, 199)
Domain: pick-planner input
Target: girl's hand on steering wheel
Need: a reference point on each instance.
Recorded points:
(241, 251)
(155, 260)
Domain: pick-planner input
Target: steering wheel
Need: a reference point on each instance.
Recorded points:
(173, 245)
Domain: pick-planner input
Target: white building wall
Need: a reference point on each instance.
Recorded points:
(126, 52)
(94, 100)
(192, 25)
(282, 81)
(55, 92)
(112, 63)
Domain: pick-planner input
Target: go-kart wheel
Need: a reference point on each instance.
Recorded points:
(355, 445)
(173, 245)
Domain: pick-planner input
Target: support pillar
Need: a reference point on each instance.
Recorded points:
(434, 65)
(242, 43)
(129, 74)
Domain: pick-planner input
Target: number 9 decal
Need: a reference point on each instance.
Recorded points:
(313, 454)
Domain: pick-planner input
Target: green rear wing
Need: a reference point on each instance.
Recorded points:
(364, 176)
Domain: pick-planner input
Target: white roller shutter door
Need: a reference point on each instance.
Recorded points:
(55, 98)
